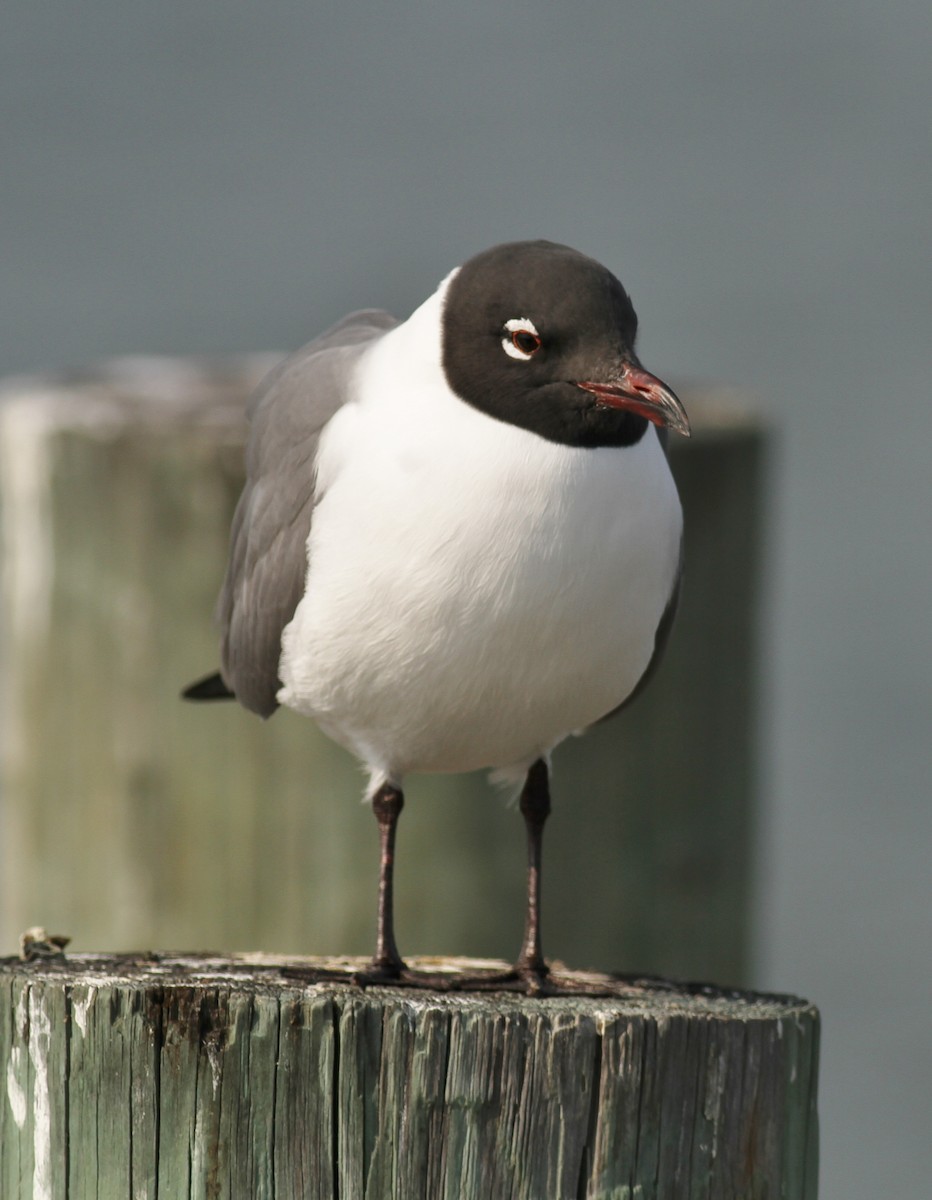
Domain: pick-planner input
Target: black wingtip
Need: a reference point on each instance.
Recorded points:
(211, 687)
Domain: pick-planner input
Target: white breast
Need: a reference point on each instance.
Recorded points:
(475, 593)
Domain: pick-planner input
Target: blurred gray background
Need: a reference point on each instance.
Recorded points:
(181, 177)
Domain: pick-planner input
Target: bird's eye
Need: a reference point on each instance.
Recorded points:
(521, 339)
(526, 342)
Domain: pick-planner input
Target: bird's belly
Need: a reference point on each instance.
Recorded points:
(526, 606)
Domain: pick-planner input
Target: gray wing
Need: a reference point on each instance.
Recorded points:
(266, 570)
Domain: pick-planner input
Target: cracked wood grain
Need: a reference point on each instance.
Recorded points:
(170, 1078)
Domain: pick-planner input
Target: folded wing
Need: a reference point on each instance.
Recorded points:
(266, 571)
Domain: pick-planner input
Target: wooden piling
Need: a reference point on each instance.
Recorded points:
(251, 1078)
(131, 818)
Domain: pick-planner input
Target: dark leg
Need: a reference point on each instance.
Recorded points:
(535, 807)
(387, 804)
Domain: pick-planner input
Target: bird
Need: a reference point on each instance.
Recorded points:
(459, 540)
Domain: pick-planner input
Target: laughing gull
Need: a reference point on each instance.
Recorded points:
(459, 538)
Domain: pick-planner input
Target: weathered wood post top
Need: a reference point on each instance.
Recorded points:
(160, 1076)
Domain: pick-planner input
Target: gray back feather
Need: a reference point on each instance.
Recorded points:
(267, 566)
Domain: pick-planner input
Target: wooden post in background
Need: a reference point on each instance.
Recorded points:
(193, 1077)
(132, 819)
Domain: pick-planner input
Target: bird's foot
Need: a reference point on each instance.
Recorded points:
(383, 969)
(533, 979)
(535, 975)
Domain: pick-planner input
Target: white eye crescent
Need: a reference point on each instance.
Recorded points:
(521, 339)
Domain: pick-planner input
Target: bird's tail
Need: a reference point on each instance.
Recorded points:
(211, 687)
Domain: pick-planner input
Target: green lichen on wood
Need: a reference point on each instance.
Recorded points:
(188, 1077)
